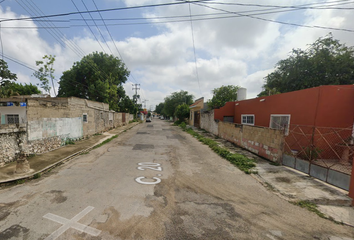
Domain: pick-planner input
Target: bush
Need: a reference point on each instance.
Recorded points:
(183, 125)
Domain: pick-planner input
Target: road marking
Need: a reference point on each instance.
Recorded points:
(139, 180)
(72, 223)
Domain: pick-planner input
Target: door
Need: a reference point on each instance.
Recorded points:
(197, 119)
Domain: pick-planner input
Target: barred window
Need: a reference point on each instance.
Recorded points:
(282, 122)
(12, 119)
(84, 117)
(247, 119)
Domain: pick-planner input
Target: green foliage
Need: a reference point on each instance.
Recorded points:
(69, 141)
(311, 207)
(46, 72)
(177, 123)
(20, 181)
(183, 125)
(182, 111)
(223, 95)
(98, 77)
(325, 62)
(127, 105)
(19, 89)
(37, 175)
(6, 76)
(159, 108)
(242, 162)
(105, 141)
(175, 99)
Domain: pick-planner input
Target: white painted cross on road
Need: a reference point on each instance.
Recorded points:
(72, 223)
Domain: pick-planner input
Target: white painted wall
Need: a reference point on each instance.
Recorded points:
(51, 127)
(21, 111)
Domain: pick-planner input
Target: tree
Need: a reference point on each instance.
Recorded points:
(127, 105)
(6, 76)
(13, 88)
(223, 95)
(159, 108)
(182, 111)
(325, 62)
(45, 72)
(98, 77)
(175, 99)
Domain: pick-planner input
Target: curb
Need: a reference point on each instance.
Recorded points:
(59, 162)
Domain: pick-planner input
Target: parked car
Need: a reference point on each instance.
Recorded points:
(148, 119)
(162, 118)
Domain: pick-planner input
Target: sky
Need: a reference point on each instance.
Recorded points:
(170, 45)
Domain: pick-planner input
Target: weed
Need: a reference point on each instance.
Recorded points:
(69, 141)
(105, 141)
(97, 134)
(242, 162)
(31, 156)
(20, 181)
(37, 175)
(310, 206)
(84, 153)
(274, 163)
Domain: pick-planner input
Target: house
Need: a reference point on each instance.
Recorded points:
(33, 125)
(195, 110)
(317, 125)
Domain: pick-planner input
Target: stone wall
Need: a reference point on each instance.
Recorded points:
(208, 123)
(265, 142)
(11, 140)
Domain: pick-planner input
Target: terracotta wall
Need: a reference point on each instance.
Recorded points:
(351, 188)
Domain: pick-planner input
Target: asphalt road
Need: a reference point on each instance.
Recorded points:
(154, 182)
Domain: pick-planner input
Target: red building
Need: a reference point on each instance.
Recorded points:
(324, 106)
(317, 122)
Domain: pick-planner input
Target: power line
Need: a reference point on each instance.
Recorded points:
(195, 57)
(274, 21)
(88, 25)
(101, 10)
(97, 28)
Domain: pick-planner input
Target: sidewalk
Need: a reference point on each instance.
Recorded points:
(40, 163)
(297, 187)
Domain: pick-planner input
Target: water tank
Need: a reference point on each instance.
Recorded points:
(241, 94)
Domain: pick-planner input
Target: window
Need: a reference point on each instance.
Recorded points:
(84, 117)
(12, 119)
(278, 121)
(247, 119)
(228, 119)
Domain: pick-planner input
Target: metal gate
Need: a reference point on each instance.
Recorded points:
(324, 153)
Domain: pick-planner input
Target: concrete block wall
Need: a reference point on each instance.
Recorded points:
(264, 142)
(208, 123)
(51, 121)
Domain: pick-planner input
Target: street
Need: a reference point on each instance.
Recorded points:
(154, 182)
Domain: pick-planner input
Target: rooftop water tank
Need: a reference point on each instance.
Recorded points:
(241, 94)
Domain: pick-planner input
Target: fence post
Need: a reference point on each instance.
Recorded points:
(351, 187)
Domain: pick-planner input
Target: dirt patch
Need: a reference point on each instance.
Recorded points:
(143, 146)
(14, 231)
(283, 179)
(58, 196)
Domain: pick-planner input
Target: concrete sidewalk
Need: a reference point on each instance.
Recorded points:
(297, 187)
(41, 162)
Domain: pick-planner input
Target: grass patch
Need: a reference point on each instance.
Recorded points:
(312, 207)
(69, 141)
(105, 141)
(20, 181)
(37, 175)
(274, 163)
(242, 162)
(84, 153)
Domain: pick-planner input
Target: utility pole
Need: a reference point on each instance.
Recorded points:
(136, 87)
(144, 103)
